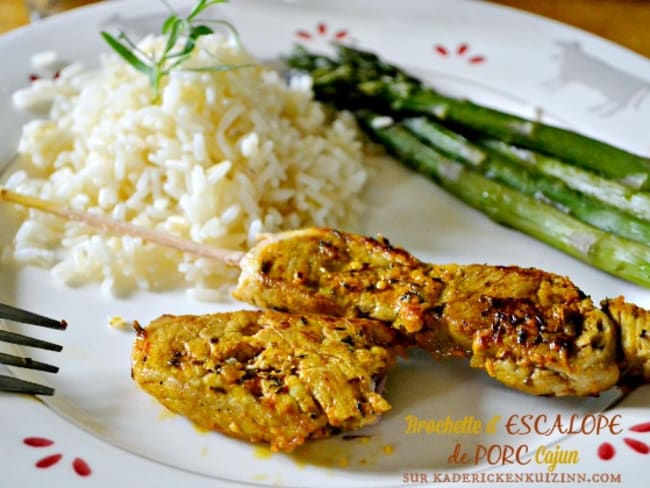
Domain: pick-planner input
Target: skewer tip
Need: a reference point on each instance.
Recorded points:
(4, 193)
(108, 225)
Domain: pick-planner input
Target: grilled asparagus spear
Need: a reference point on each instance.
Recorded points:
(362, 77)
(609, 192)
(529, 181)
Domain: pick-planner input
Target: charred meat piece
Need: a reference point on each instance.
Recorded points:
(266, 376)
(531, 330)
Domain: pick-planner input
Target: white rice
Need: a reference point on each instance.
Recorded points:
(219, 158)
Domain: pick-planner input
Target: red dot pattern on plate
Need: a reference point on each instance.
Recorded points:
(460, 51)
(645, 427)
(341, 34)
(606, 451)
(49, 461)
(638, 446)
(37, 441)
(322, 30)
(79, 465)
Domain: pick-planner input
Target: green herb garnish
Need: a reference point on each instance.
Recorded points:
(182, 34)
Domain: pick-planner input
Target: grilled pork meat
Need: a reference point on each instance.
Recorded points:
(531, 330)
(634, 322)
(267, 376)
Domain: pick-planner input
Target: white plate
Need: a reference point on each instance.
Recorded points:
(101, 421)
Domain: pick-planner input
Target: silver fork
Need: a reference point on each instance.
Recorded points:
(16, 385)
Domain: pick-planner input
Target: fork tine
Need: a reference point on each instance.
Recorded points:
(15, 385)
(18, 315)
(22, 340)
(27, 363)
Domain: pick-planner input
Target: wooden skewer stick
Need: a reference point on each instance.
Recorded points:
(109, 225)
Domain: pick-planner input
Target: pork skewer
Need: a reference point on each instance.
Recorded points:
(531, 330)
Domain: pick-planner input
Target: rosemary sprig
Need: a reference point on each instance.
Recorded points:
(182, 35)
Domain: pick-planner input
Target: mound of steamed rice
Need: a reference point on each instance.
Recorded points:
(218, 158)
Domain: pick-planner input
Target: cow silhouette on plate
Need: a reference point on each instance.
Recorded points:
(619, 88)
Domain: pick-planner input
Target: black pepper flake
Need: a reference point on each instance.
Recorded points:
(248, 375)
(405, 297)
(175, 361)
(266, 266)
(412, 295)
(325, 247)
(522, 336)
